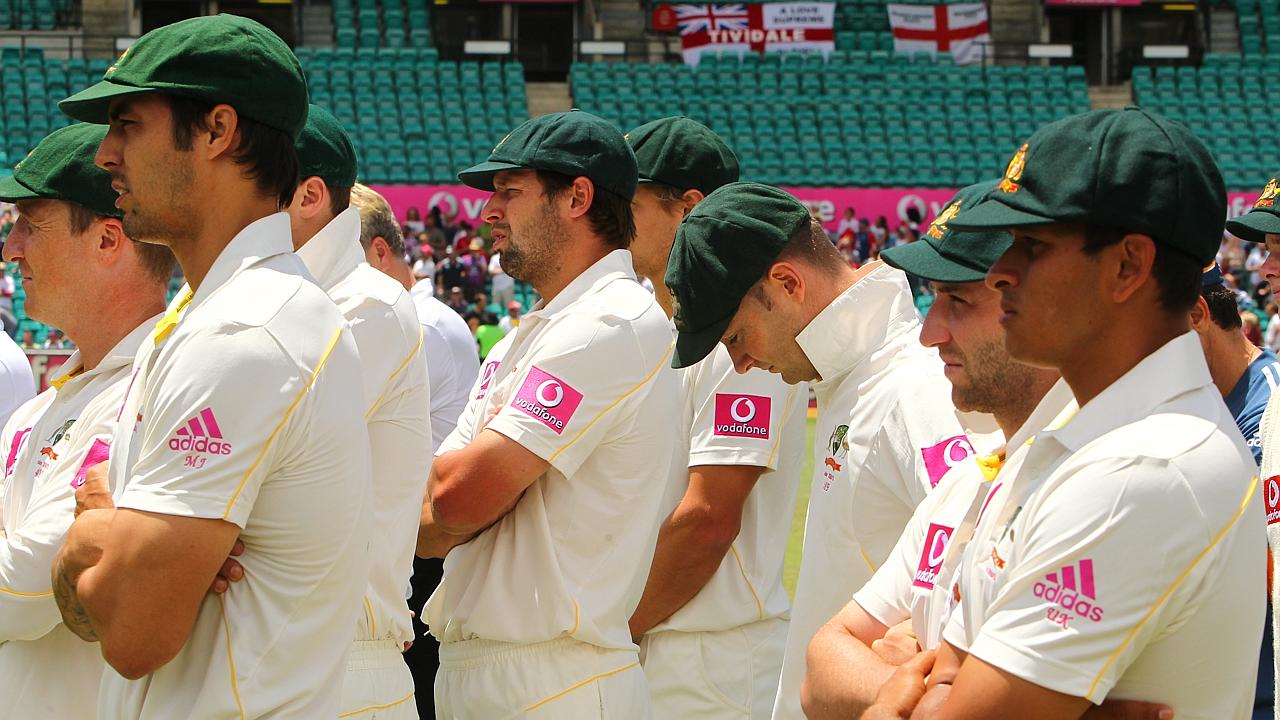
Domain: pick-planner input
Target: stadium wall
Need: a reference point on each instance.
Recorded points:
(830, 203)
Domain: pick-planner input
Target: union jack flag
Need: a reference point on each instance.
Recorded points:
(702, 18)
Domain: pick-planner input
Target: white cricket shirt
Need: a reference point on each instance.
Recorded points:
(743, 419)
(452, 361)
(886, 434)
(48, 446)
(581, 384)
(1125, 561)
(17, 384)
(397, 406)
(251, 409)
(916, 581)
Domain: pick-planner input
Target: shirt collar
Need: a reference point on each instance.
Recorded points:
(260, 239)
(1057, 403)
(875, 309)
(334, 252)
(123, 353)
(1176, 368)
(615, 264)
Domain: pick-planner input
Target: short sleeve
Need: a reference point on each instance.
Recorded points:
(212, 413)
(737, 418)
(569, 395)
(1071, 613)
(887, 595)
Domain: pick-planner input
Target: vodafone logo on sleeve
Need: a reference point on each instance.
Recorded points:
(486, 377)
(742, 415)
(1271, 498)
(547, 399)
(940, 458)
(936, 540)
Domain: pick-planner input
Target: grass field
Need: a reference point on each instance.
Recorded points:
(791, 569)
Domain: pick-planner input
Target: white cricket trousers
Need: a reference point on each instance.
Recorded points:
(723, 675)
(378, 685)
(561, 679)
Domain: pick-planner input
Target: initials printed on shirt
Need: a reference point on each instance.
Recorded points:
(547, 399)
(1271, 496)
(936, 540)
(742, 415)
(486, 377)
(940, 458)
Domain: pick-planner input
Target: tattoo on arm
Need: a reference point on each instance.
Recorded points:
(74, 615)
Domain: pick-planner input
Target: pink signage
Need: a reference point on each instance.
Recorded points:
(830, 203)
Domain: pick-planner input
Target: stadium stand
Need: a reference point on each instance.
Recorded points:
(36, 14)
(1225, 102)
(381, 23)
(862, 117)
(434, 117)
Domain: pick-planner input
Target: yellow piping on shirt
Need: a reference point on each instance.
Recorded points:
(867, 557)
(612, 405)
(231, 661)
(373, 624)
(271, 438)
(371, 708)
(781, 427)
(1160, 600)
(403, 365)
(754, 595)
(577, 615)
(584, 683)
(19, 593)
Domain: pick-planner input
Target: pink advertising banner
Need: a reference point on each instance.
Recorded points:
(830, 203)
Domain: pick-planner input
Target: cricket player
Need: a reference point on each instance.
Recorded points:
(17, 383)
(106, 292)
(712, 623)
(749, 268)
(453, 366)
(1261, 225)
(397, 407)
(854, 653)
(245, 417)
(548, 496)
(1114, 214)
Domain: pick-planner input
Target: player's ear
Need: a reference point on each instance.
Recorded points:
(1199, 314)
(787, 280)
(690, 200)
(109, 236)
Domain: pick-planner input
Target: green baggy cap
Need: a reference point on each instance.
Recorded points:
(724, 246)
(684, 154)
(325, 150)
(946, 254)
(61, 167)
(1129, 169)
(573, 143)
(1263, 219)
(217, 59)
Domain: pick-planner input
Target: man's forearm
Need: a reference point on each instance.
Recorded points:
(74, 616)
(434, 542)
(843, 675)
(684, 561)
(81, 551)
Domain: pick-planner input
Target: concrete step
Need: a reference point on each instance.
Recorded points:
(317, 25)
(1110, 96)
(548, 97)
(1224, 32)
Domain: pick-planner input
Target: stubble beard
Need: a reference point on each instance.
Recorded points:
(532, 257)
(996, 380)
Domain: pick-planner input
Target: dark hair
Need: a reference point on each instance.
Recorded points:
(339, 199)
(610, 215)
(157, 260)
(266, 154)
(1177, 273)
(1223, 309)
(810, 245)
